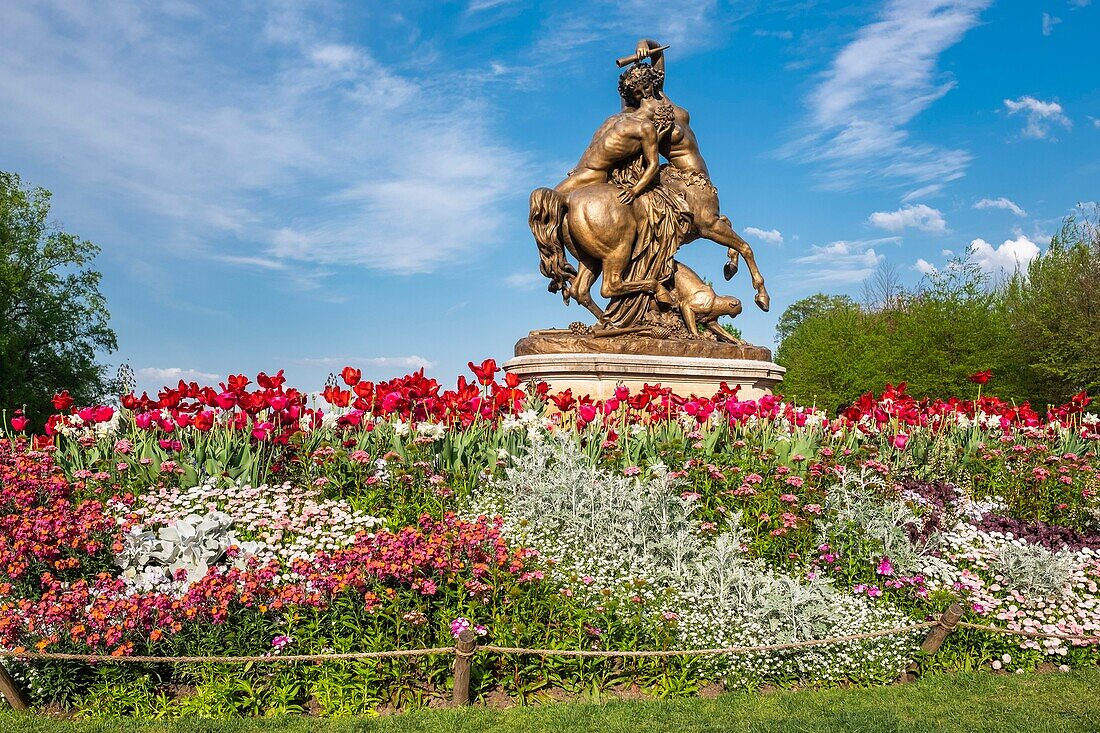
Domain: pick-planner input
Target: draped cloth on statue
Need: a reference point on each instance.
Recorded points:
(660, 233)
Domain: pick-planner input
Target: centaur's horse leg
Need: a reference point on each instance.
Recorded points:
(721, 231)
(588, 269)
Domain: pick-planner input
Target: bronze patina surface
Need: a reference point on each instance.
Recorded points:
(565, 342)
(639, 192)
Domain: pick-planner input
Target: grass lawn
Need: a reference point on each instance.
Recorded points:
(1035, 703)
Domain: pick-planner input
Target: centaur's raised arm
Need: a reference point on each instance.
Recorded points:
(653, 49)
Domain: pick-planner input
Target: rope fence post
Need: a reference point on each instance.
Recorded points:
(944, 626)
(11, 692)
(464, 652)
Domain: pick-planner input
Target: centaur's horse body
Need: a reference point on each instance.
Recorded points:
(599, 230)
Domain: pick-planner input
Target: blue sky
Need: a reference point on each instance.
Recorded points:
(304, 185)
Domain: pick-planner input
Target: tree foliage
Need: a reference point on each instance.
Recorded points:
(1055, 312)
(54, 319)
(1038, 331)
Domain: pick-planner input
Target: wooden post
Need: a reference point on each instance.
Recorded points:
(943, 627)
(11, 692)
(464, 651)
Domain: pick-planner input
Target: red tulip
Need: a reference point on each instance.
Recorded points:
(204, 420)
(512, 380)
(486, 372)
(351, 376)
(19, 423)
(586, 413)
(103, 413)
(270, 382)
(981, 377)
(237, 383)
(563, 400)
(62, 401)
(226, 400)
(278, 402)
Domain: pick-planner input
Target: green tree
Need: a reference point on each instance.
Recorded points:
(1054, 309)
(932, 338)
(53, 319)
(818, 304)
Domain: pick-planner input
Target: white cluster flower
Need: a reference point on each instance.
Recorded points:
(282, 522)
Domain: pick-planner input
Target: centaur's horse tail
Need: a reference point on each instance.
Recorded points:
(548, 224)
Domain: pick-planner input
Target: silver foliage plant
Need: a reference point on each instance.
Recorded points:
(638, 537)
(191, 544)
(861, 519)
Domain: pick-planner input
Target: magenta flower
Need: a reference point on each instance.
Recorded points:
(885, 567)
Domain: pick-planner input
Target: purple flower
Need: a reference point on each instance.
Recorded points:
(885, 567)
(459, 625)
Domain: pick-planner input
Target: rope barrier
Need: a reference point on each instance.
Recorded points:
(488, 649)
(275, 658)
(492, 649)
(705, 652)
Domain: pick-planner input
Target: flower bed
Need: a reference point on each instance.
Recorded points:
(255, 519)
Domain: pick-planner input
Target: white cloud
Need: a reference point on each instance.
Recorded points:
(875, 86)
(319, 155)
(1095, 121)
(524, 280)
(1080, 3)
(924, 267)
(1049, 21)
(162, 376)
(1005, 258)
(1001, 203)
(842, 262)
(771, 236)
(1040, 115)
(918, 216)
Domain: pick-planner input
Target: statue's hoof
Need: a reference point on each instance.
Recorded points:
(764, 301)
(729, 270)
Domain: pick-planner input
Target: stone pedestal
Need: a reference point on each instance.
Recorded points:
(595, 366)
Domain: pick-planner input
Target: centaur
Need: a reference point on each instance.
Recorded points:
(601, 222)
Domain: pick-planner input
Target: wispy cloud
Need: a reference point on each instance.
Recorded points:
(382, 362)
(782, 35)
(1041, 116)
(1001, 203)
(688, 26)
(161, 376)
(856, 130)
(918, 216)
(1049, 21)
(161, 109)
(842, 262)
(524, 280)
(771, 236)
